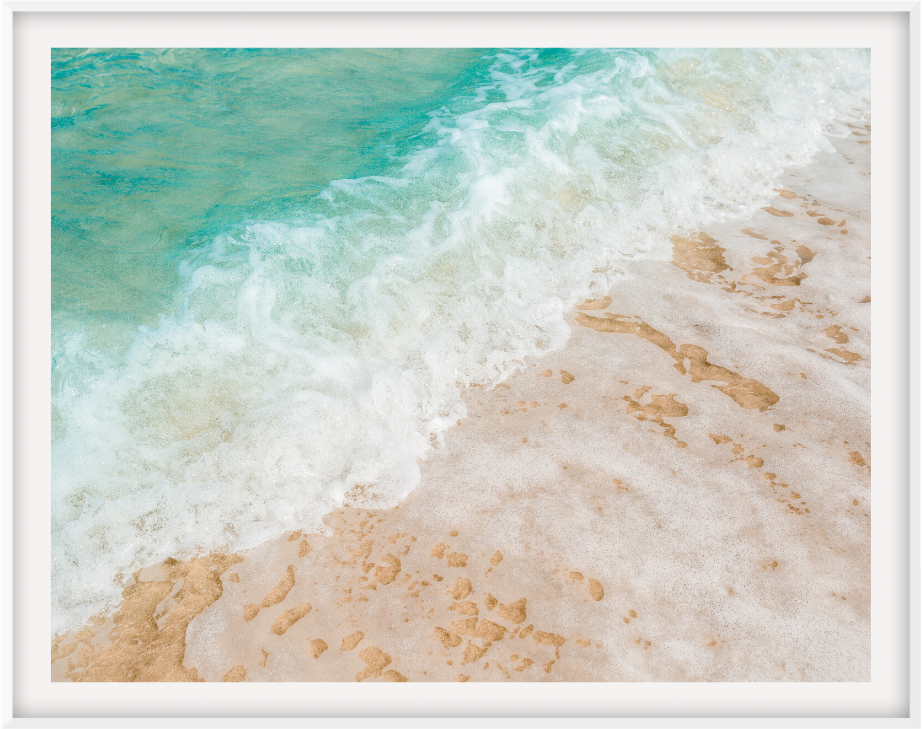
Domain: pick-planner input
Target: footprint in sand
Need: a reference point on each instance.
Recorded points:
(700, 257)
(351, 641)
(660, 407)
(771, 210)
(376, 661)
(317, 648)
(275, 596)
(289, 618)
(745, 392)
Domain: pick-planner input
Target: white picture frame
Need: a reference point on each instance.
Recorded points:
(891, 699)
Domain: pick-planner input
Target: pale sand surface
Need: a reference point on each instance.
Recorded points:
(682, 493)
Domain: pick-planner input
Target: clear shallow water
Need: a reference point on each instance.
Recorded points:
(156, 152)
(273, 271)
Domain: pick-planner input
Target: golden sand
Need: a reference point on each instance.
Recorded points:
(680, 494)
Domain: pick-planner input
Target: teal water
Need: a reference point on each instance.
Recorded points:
(273, 271)
(156, 151)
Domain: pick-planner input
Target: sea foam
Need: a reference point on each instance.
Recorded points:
(312, 362)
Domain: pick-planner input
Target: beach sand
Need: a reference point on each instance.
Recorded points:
(682, 493)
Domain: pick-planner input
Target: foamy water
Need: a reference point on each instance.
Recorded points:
(310, 354)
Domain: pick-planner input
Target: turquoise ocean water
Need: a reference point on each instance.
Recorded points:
(274, 270)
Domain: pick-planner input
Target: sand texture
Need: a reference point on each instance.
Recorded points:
(682, 493)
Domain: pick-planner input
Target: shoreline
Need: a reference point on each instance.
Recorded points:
(680, 493)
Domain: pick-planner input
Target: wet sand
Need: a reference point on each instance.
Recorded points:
(682, 493)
